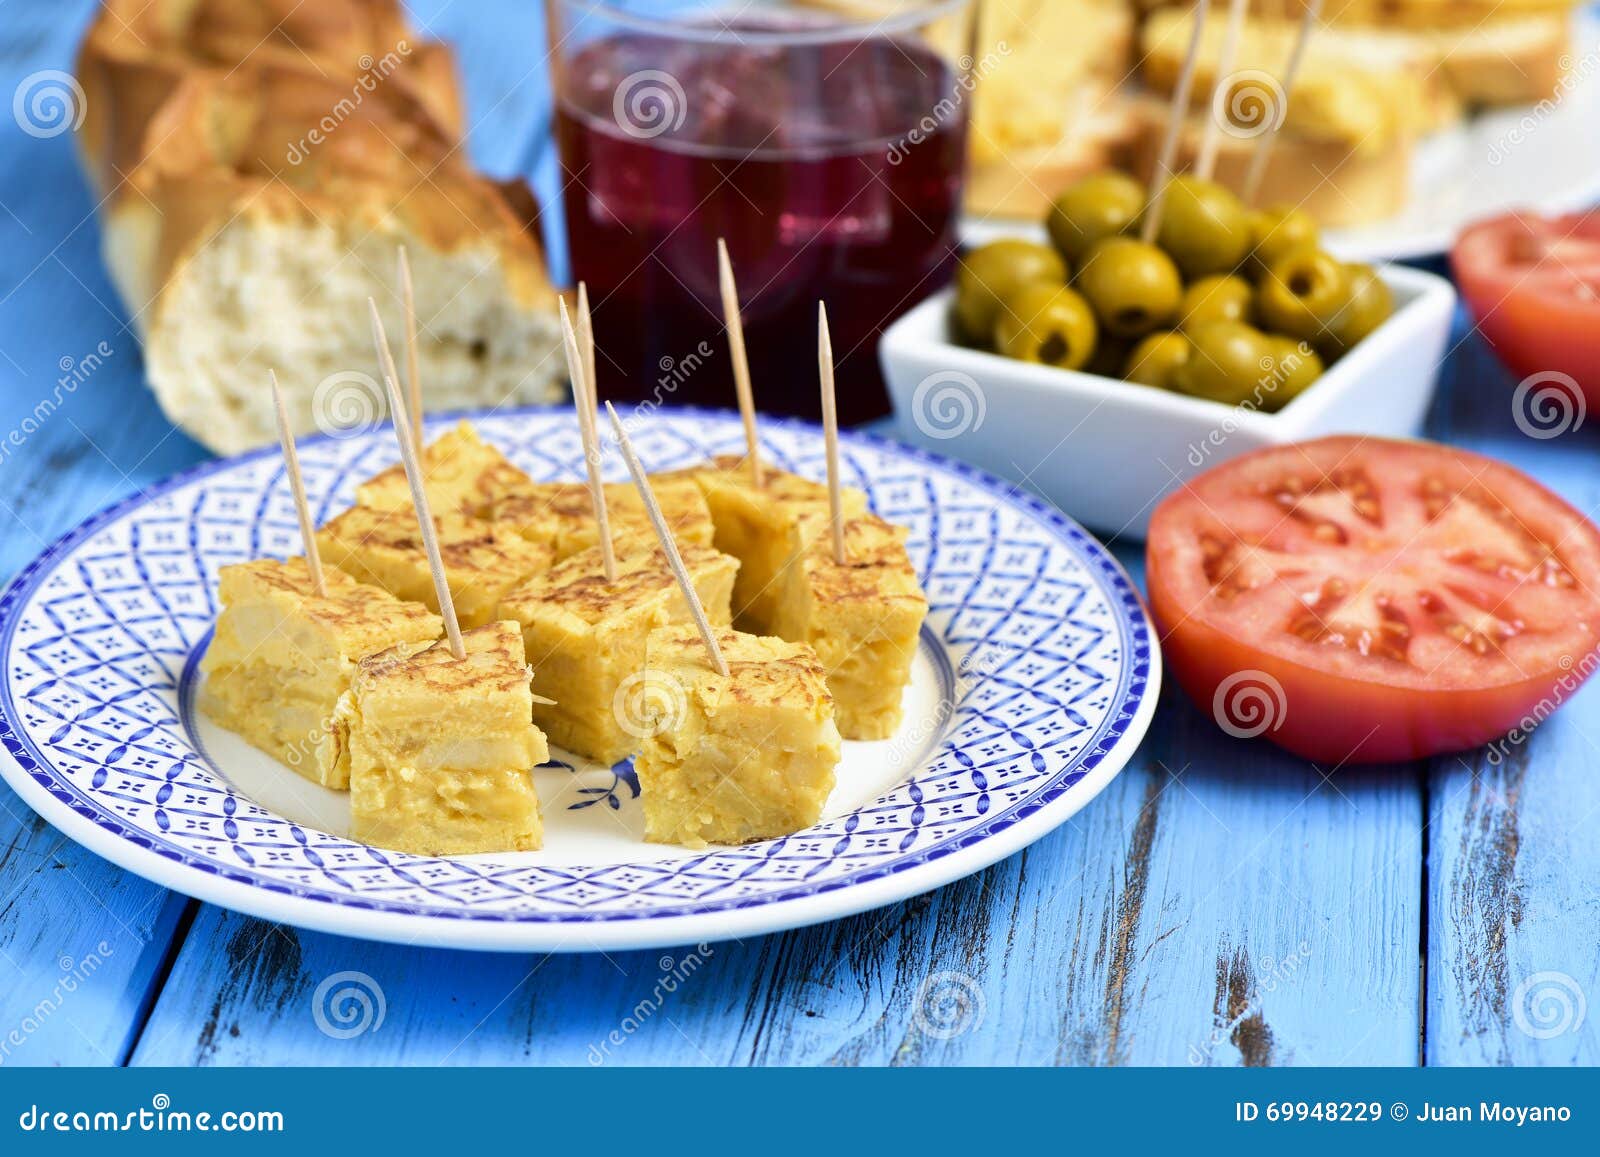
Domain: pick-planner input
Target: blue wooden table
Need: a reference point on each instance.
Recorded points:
(1221, 904)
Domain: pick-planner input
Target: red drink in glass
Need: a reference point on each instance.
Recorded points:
(830, 162)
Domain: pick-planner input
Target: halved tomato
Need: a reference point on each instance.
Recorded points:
(1533, 285)
(1365, 600)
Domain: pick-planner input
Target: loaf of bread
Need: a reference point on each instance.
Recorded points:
(238, 260)
(136, 53)
(250, 209)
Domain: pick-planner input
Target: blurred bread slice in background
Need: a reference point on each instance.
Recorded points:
(1338, 181)
(136, 53)
(1488, 53)
(1047, 100)
(238, 260)
(1353, 84)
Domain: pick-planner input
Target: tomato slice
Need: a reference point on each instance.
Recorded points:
(1365, 600)
(1533, 285)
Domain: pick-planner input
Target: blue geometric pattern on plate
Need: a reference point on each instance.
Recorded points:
(98, 632)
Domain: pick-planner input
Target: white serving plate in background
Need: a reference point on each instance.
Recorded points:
(1106, 451)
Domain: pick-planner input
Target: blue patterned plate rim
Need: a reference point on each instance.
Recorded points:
(91, 823)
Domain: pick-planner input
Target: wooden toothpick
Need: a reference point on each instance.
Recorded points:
(584, 400)
(741, 362)
(413, 374)
(1176, 119)
(1211, 138)
(586, 343)
(674, 559)
(1264, 143)
(830, 432)
(386, 369)
(419, 493)
(297, 486)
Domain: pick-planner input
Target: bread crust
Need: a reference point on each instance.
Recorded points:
(136, 53)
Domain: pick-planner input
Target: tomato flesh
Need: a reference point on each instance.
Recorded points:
(1387, 600)
(1533, 286)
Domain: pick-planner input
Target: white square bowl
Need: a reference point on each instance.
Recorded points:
(1106, 451)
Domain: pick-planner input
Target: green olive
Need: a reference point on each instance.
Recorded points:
(1294, 366)
(1220, 297)
(1204, 227)
(1092, 209)
(1277, 231)
(1048, 324)
(1302, 293)
(988, 275)
(1133, 287)
(1231, 362)
(1155, 359)
(1367, 305)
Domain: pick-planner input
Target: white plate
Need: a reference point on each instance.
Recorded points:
(1107, 451)
(1537, 157)
(1037, 678)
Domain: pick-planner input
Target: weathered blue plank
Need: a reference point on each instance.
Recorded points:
(1513, 865)
(82, 944)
